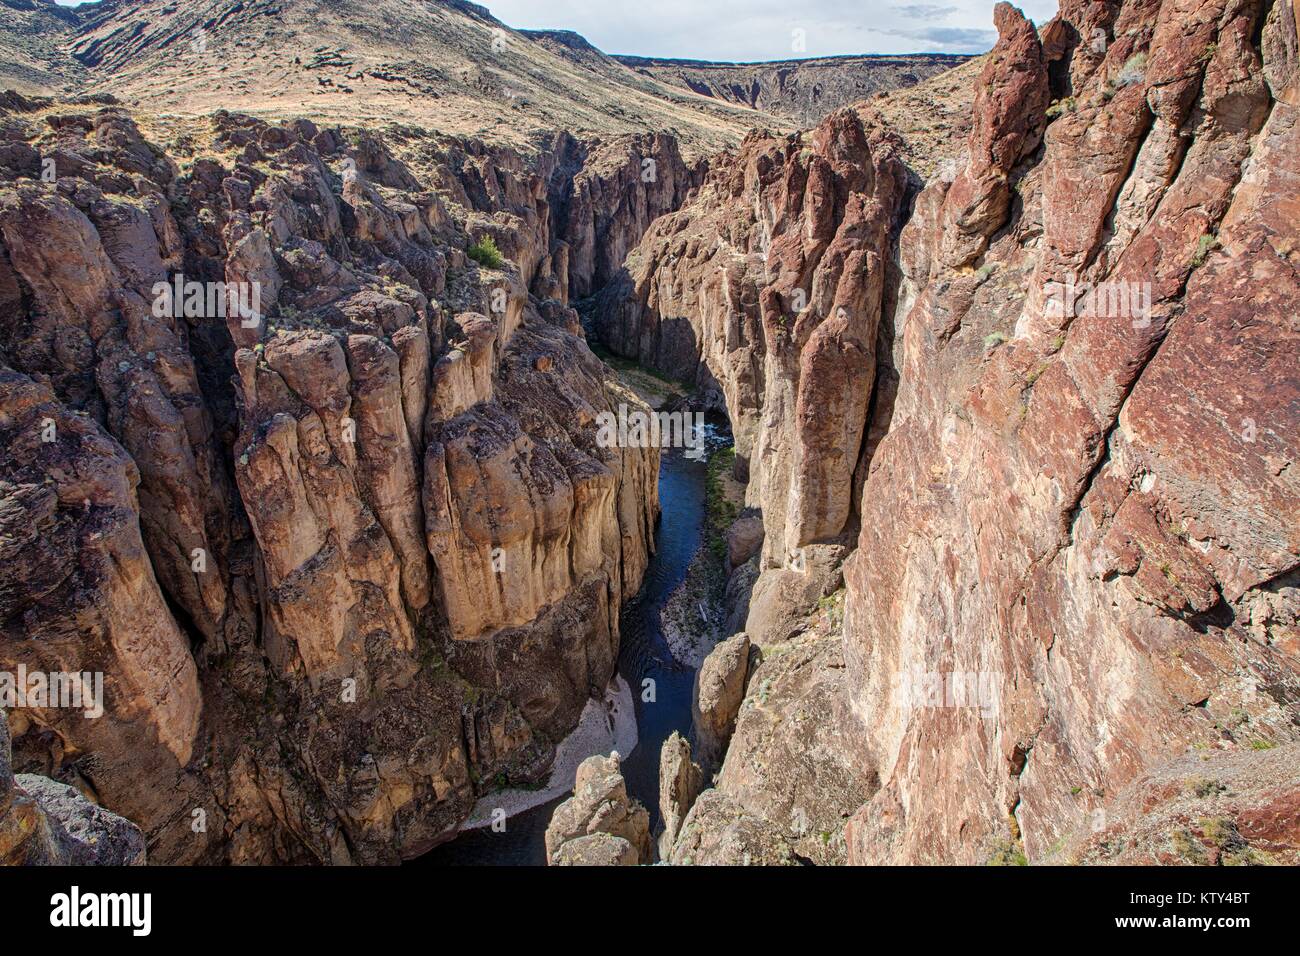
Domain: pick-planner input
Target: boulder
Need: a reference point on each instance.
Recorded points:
(599, 804)
(719, 832)
(84, 833)
(45, 823)
(744, 540)
(782, 598)
(598, 849)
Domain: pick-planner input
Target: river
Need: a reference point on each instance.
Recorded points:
(644, 655)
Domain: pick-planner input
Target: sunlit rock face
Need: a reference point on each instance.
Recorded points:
(1070, 491)
(346, 552)
(1099, 521)
(768, 287)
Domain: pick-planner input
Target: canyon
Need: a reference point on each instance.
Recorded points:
(988, 574)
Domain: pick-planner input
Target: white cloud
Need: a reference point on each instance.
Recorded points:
(762, 29)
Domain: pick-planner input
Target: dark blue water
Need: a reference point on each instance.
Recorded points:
(644, 655)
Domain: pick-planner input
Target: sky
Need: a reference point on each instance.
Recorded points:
(745, 30)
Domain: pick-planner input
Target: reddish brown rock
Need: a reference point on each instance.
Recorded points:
(298, 676)
(768, 288)
(1093, 528)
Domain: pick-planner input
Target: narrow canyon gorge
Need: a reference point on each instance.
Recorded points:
(980, 544)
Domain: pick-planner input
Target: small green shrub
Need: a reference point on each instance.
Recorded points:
(486, 253)
(1133, 71)
(1061, 107)
(1204, 246)
(1007, 853)
(993, 340)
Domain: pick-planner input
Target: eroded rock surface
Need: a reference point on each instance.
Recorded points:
(1096, 530)
(605, 823)
(768, 286)
(680, 782)
(346, 557)
(45, 823)
(715, 699)
(1205, 809)
(1075, 524)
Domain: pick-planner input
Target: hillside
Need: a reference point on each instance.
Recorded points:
(445, 64)
(31, 34)
(932, 119)
(802, 91)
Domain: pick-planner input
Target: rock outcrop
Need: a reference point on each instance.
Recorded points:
(1070, 485)
(599, 849)
(44, 823)
(768, 287)
(680, 782)
(744, 540)
(606, 197)
(345, 555)
(1101, 542)
(793, 774)
(599, 825)
(715, 699)
(1232, 809)
(719, 832)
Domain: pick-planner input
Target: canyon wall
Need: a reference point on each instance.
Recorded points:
(1073, 525)
(768, 287)
(348, 558)
(1102, 510)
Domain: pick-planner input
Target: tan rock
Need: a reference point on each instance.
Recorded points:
(598, 849)
(599, 805)
(715, 701)
(744, 540)
(44, 823)
(719, 832)
(680, 782)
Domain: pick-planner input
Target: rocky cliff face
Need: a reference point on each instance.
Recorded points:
(802, 91)
(44, 823)
(351, 556)
(1103, 517)
(1073, 512)
(346, 558)
(768, 288)
(605, 196)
